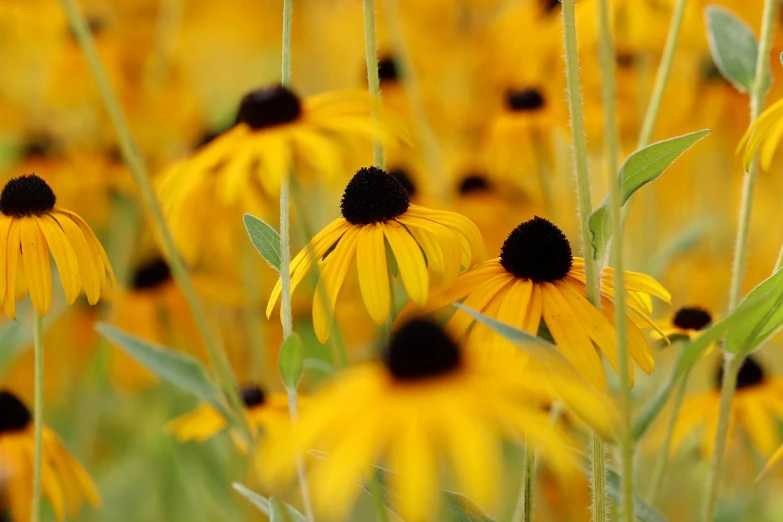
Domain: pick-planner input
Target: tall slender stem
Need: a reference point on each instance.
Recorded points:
(381, 515)
(373, 82)
(757, 96)
(138, 170)
(524, 508)
(731, 367)
(662, 76)
(659, 472)
(597, 452)
(285, 257)
(38, 416)
(611, 147)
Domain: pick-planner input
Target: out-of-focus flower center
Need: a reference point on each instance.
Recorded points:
(265, 108)
(692, 318)
(420, 350)
(14, 415)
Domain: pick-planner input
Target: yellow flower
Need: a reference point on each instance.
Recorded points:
(266, 412)
(424, 405)
(276, 134)
(65, 482)
(376, 213)
(756, 409)
(763, 135)
(31, 227)
(688, 322)
(537, 277)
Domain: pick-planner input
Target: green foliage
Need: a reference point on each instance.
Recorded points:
(265, 239)
(733, 46)
(643, 511)
(272, 507)
(641, 167)
(290, 361)
(766, 317)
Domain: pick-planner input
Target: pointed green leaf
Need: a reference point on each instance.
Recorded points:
(265, 239)
(179, 369)
(641, 167)
(290, 360)
(644, 512)
(272, 507)
(764, 321)
(690, 354)
(733, 46)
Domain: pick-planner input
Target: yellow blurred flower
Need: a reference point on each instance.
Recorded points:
(763, 136)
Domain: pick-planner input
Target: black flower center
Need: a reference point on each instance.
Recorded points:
(14, 415)
(692, 318)
(151, 274)
(405, 180)
(26, 195)
(387, 70)
(525, 100)
(751, 374)
(372, 196)
(252, 396)
(474, 183)
(419, 350)
(38, 147)
(549, 5)
(265, 108)
(537, 250)
(625, 60)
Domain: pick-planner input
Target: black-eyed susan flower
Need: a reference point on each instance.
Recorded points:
(687, 322)
(537, 278)
(32, 227)
(756, 410)
(266, 412)
(763, 135)
(65, 482)
(276, 134)
(425, 405)
(376, 214)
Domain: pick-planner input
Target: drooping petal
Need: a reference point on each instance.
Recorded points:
(457, 222)
(759, 424)
(64, 256)
(335, 269)
(101, 259)
(373, 272)
(5, 226)
(14, 248)
(413, 269)
(413, 459)
(477, 301)
(37, 267)
(89, 270)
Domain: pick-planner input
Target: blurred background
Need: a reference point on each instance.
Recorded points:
(480, 84)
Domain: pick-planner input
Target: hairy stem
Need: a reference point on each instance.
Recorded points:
(38, 416)
(373, 82)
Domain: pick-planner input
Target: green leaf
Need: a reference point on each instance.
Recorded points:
(272, 507)
(290, 360)
(641, 167)
(733, 46)
(644, 512)
(690, 354)
(179, 369)
(265, 239)
(766, 319)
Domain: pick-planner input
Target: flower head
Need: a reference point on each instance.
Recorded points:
(376, 211)
(32, 227)
(537, 278)
(65, 483)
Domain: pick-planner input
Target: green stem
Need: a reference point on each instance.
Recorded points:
(373, 82)
(731, 367)
(611, 145)
(524, 508)
(138, 170)
(662, 76)
(288, 18)
(597, 455)
(304, 488)
(659, 472)
(38, 416)
(757, 97)
(381, 515)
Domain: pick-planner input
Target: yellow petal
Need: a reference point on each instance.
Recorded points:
(413, 459)
(37, 267)
(335, 269)
(410, 261)
(5, 226)
(457, 222)
(13, 248)
(570, 337)
(373, 272)
(64, 256)
(88, 269)
(759, 424)
(101, 259)
(199, 425)
(446, 257)
(478, 301)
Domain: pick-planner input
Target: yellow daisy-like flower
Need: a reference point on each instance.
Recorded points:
(31, 227)
(65, 482)
(688, 322)
(276, 133)
(423, 406)
(377, 213)
(757, 409)
(763, 135)
(536, 277)
(266, 412)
